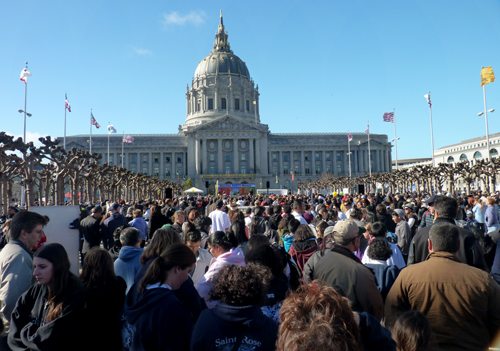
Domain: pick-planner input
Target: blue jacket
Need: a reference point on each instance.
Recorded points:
(128, 264)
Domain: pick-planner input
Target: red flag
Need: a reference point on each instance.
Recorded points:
(293, 176)
(389, 117)
(67, 105)
(128, 139)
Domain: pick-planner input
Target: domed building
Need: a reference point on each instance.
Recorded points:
(223, 140)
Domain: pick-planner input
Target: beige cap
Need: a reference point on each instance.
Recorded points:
(344, 232)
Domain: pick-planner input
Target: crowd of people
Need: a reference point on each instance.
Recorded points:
(409, 272)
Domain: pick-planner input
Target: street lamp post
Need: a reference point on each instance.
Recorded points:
(26, 114)
(485, 114)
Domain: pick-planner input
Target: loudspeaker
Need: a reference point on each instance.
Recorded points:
(168, 193)
(207, 184)
(361, 188)
(268, 185)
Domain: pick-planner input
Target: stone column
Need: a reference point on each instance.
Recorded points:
(204, 152)
(220, 163)
(150, 164)
(162, 165)
(302, 166)
(251, 161)
(323, 162)
(264, 169)
(236, 156)
(258, 166)
(191, 149)
(197, 156)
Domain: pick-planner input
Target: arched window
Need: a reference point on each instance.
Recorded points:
(493, 153)
(463, 157)
(450, 159)
(477, 155)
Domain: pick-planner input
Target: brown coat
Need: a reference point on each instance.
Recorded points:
(462, 303)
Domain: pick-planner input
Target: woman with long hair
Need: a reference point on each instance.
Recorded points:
(48, 316)
(105, 299)
(160, 319)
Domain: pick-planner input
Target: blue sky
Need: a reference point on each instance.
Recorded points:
(321, 66)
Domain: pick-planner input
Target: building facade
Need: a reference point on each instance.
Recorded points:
(223, 138)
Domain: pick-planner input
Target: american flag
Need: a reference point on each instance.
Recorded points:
(428, 99)
(349, 137)
(128, 139)
(93, 121)
(111, 129)
(67, 105)
(389, 117)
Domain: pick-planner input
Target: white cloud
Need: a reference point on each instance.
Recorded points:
(142, 51)
(174, 18)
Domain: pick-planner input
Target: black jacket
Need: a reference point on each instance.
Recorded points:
(91, 231)
(469, 252)
(161, 322)
(224, 326)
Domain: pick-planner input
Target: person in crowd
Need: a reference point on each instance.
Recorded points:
(491, 220)
(105, 299)
(403, 231)
(258, 224)
(316, 317)
(236, 322)
(462, 303)
(381, 215)
(178, 220)
(192, 214)
(140, 224)
(161, 321)
(115, 220)
(157, 219)
(411, 332)
(260, 251)
(220, 219)
(445, 210)
(128, 263)
(203, 224)
(303, 246)
(292, 224)
(340, 268)
(379, 252)
(377, 230)
(16, 262)
(320, 231)
(203, 257)
(411, 217)
(478, 209)
(298, 210)
(49, 315)
(90, 228)
(428, 216)
(223, 247)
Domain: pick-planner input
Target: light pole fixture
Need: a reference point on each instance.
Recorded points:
(26, 114)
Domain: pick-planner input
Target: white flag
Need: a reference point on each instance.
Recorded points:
(25, 73)
(428, 99)
(111, 129)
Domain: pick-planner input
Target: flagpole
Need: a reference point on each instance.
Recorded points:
(108, 141)
(369, 152)
(349, 155)
(395, 138)
(123, 144)
(64, 142)
(24, 203)
(485, 124)
(432, 130)
(90, 141)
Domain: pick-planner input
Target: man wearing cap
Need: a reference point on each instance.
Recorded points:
(469, 251)
(428, 216)
(403, 231)
(220, 219)
(90, 228)
(461, 303)
(343, 271)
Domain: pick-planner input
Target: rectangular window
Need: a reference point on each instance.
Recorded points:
(237, 104)
(210, 104)
(248, 105)
(223, 103)
(198, 105)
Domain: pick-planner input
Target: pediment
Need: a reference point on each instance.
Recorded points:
(228, 123)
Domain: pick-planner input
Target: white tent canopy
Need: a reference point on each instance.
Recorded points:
(193, 190)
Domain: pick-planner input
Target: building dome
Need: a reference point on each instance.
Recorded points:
(221, 86)
(221, 62)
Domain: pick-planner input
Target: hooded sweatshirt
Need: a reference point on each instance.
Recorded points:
(128, 264)
(161, 322)
(224, 326)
